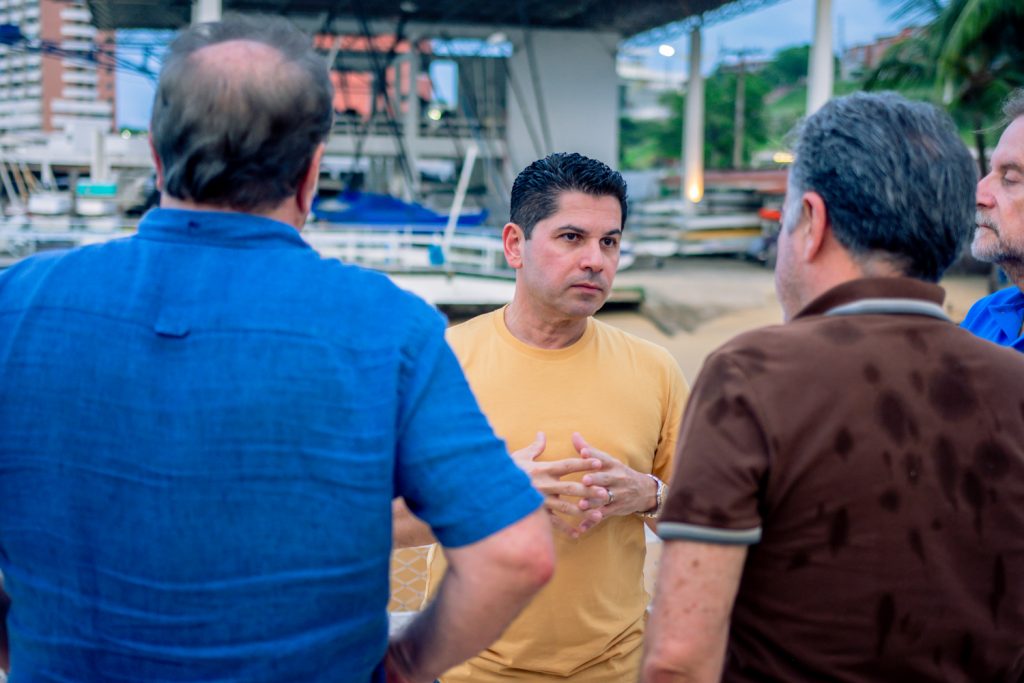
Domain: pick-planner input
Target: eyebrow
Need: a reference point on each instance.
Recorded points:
(1011, 166)
(582, 231)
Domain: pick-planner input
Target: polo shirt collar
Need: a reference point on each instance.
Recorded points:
(1008, 313)
(873, 288)
(219, 228)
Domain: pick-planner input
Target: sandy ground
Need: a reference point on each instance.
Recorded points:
(694, 305)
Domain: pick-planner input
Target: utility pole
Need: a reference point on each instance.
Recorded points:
(739, 120)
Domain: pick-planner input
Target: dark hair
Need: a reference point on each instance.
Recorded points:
(240, 140)
(897, 182)
(1013, 108)
(537, 187)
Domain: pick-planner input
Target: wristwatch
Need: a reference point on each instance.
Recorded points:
(659, 497)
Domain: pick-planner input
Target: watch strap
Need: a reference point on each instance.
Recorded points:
(659, 497)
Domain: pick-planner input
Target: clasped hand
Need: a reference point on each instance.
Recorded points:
(607, 488)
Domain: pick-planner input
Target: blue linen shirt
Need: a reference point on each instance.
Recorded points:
(204, 426)
(998, 318)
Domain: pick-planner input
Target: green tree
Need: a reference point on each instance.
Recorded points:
(720, 102)
(789, 66)
(640, 144)
(647, 143)
(969, 53)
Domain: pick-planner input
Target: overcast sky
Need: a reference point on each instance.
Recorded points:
(788, 22)
(785, 23)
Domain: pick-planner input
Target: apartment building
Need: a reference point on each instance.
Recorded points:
(51, 81)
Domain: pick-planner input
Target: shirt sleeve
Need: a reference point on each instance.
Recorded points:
(453, 472)
(721, 462)
(668, 439)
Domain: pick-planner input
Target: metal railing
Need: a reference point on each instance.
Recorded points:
(445, 128)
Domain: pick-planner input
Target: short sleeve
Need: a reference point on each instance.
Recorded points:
(675, 402)
(721, 461)
(451, 469)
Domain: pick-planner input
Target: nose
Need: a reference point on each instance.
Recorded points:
(983, 196)
(591, 257)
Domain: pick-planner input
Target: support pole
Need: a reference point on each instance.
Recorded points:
(820, 66)
(13, 198)
(98, 167)
(30, 180)
(693, 130)
(460, 197)
(411, 123)
(206, 10)
(19, 182)
(739, 116)
(73, 189)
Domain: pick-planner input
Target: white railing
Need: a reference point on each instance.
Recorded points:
(395, 249)
(22, 236)
(80, 77)
(403, 249)
(79, 107)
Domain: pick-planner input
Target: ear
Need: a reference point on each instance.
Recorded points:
(814, 224)
(513, 239)
(308, 185)
(157, 164)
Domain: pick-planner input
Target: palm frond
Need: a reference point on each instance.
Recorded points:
(914, 10)
(979, 24)
(907, 63)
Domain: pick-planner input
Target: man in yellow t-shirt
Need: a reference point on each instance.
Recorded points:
(591, 413)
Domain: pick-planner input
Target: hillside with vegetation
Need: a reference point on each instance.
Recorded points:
(965, 55)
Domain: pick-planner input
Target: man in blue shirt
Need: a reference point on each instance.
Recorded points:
(999, 236)
(204, 425)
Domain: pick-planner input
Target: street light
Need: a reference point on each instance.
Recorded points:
(667, 51)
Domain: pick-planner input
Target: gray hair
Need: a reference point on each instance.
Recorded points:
(1013, 108)
(897, 182)
(240, 140)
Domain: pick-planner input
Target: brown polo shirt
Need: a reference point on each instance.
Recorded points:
(871, 454)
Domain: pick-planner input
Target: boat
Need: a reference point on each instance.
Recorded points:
(49, 203)
(374, 209)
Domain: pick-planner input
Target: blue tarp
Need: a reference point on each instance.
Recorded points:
(10, 34)
(370, 208)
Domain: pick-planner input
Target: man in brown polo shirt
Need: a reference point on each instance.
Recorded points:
(849, 486)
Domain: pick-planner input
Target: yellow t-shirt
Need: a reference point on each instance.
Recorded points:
(626, 397)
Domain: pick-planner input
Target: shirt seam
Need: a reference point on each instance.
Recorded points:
(151, 326)
(247, 243)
